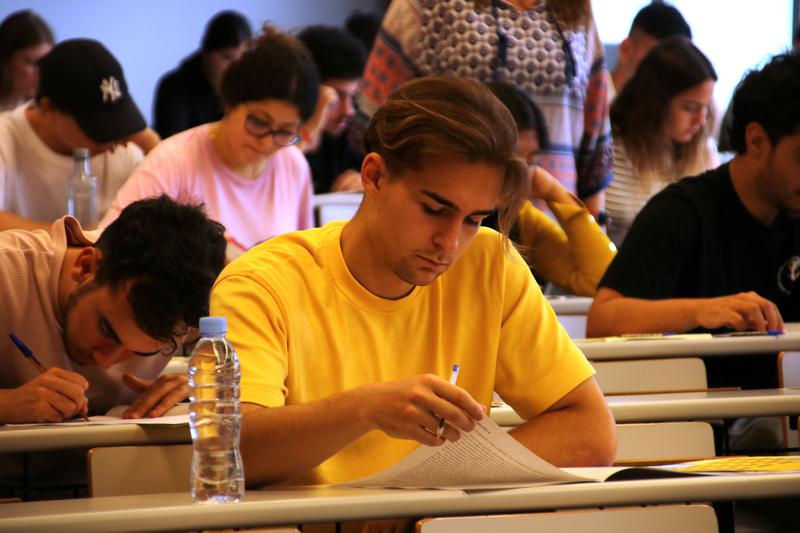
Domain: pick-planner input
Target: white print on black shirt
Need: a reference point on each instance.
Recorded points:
(788, 274)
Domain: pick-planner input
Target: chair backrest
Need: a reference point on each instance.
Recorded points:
(789, 376)
(651, 375)
(574, 324)
(335, 206)
(129, 470)
(664, 442)
(695, 518)
(789, 369)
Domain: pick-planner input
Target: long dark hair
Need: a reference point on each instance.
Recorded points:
(20, 30)
(640, 112)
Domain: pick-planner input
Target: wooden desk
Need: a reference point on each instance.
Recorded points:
(640, 349)
(163, 512)
(570, 305)
(688, 406)
(42, 438)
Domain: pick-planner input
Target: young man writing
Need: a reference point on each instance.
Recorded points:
(103, 317)
(347, 333)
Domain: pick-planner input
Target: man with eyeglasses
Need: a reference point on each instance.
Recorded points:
(103, 317)
(340, 58)
(244, 168)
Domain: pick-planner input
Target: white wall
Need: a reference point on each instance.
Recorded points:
(150, 37)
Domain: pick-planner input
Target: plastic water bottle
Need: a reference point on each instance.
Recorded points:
(215, 418)
(82, 190)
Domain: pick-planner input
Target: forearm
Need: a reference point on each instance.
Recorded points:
(578, 435)
(636, 315)
(10, 220)
(282, 442)
(587, 250)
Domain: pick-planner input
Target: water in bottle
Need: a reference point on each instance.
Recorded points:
(215, 416)
(82, 190)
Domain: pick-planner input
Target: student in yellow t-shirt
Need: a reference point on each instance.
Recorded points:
(573, 253)
(347, 333)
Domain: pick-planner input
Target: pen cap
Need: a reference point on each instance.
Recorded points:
(213, 326)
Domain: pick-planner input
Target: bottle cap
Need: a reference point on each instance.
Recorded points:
(80, 153)
(211, 326)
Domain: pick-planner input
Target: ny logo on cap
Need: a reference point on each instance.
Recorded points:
(110, 89)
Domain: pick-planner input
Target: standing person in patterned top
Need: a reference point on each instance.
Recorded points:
(550, 48)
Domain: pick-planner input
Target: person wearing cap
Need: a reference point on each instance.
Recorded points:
(244, 167)
(189, 95)
(82, 102)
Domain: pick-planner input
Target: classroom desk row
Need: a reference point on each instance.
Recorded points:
(596, 350)
(626, 409)
(176, 511)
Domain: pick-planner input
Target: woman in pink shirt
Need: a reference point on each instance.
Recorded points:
(244, 167)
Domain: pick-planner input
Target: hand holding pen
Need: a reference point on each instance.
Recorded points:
(52, 396)
(453, 379)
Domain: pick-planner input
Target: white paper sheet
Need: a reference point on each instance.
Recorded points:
(485, 458)
(178, 415)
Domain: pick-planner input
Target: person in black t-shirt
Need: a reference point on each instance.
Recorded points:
(340, 57)
(721, 250)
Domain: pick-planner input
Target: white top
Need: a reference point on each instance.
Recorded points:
(626, 195)
(33, 177)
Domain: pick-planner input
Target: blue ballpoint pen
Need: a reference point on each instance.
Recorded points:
(28, 353)
(453, 379)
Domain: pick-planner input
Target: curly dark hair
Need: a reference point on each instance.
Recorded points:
(278, 67)
(769, 97)
(337, 54)
(172, 253)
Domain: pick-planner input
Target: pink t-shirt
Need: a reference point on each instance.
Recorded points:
(186, 167)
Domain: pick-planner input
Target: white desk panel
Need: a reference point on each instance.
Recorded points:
(175, 511)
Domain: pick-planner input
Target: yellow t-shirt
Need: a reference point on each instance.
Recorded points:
(305, 329)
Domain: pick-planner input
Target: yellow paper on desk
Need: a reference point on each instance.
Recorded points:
(743, 464)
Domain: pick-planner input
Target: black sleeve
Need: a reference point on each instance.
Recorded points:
(172, 113)
(659, 247)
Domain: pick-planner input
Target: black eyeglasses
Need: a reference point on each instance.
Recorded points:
(260, 128)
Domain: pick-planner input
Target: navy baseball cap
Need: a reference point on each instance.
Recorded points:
(83, 79)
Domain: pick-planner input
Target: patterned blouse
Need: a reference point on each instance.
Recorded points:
(561, 68)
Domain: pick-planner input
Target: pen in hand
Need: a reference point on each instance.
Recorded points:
(453, 379)
(28, 353)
